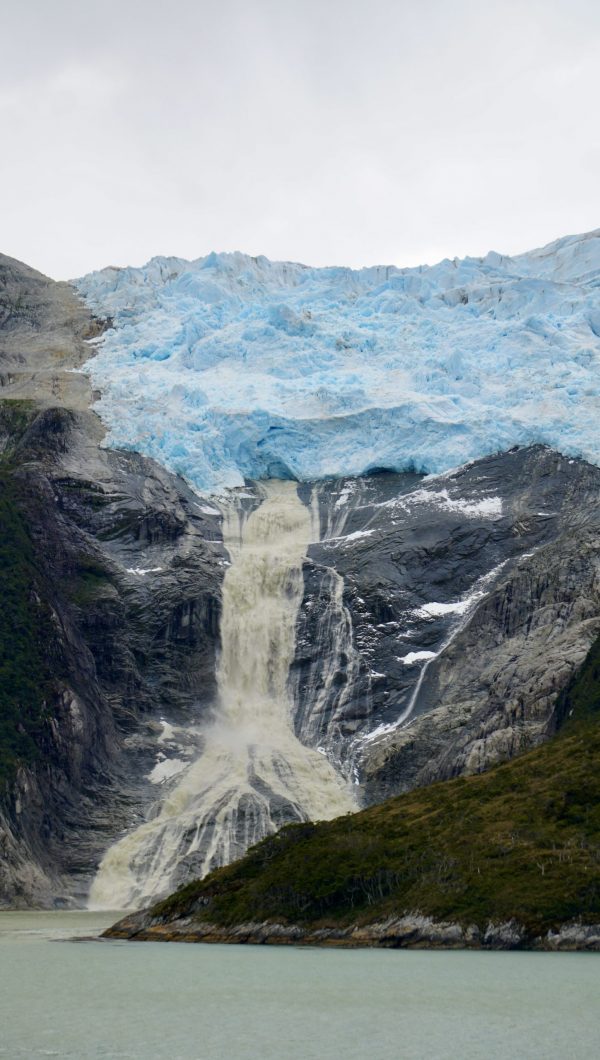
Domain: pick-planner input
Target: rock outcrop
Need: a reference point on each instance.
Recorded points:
(412, 931)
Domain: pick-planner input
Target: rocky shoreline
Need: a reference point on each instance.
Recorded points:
(409, 931)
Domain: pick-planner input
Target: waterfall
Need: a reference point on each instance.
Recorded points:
(253, 774)
(333, 671)
(322, 693)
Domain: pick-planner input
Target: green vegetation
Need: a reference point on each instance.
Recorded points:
(29, 657)
(521, 841)
(581, 698)
(15, 418)
(89, 582)
(25, 629)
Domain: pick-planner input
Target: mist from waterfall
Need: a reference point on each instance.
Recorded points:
(253, 774)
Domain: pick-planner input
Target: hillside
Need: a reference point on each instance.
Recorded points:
(499, 859)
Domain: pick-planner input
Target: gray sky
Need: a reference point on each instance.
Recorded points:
(326, 132)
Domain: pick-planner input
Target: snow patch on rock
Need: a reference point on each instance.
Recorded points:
(417, 656)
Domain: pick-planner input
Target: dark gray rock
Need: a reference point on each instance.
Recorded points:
(514, 540)
(130, 568)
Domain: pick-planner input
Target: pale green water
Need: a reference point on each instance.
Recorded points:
(147, 1001)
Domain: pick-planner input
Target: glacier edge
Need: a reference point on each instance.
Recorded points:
(231, 368)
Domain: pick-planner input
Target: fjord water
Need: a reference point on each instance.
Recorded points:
(149, 1001)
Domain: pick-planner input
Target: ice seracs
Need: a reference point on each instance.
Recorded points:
(231, 366)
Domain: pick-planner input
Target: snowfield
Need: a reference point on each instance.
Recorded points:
(232, 367)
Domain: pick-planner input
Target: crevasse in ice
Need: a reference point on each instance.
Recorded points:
(233, 367)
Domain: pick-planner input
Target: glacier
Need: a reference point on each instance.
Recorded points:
(233, 367)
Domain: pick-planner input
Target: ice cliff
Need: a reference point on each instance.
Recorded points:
(232, 366)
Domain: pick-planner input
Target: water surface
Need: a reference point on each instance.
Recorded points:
(145, 1001)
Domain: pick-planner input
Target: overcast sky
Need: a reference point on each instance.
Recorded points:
(326, 132)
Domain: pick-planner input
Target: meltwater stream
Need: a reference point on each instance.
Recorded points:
(253, 774)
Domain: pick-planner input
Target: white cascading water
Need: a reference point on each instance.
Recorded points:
(321, 697)
(321, 702)
(253, 774)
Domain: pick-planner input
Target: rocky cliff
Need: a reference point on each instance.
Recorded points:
(471, 598)
(112, 653)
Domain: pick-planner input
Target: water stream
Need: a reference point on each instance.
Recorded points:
(253, 774)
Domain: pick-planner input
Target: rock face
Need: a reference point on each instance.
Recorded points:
(471, 598)
(129, 567)
(44, 327)
(439, 618)
(127, 652)
(411, 931)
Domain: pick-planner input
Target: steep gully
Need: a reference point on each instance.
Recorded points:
(461, 603)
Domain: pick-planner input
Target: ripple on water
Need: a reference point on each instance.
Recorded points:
(121, 1001)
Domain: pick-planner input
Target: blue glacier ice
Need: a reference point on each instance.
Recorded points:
(233, 367)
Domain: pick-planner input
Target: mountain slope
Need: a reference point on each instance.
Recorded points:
(509, 858)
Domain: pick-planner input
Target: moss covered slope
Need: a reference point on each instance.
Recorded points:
(25, 624)
(24, 629)
(521, 842)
